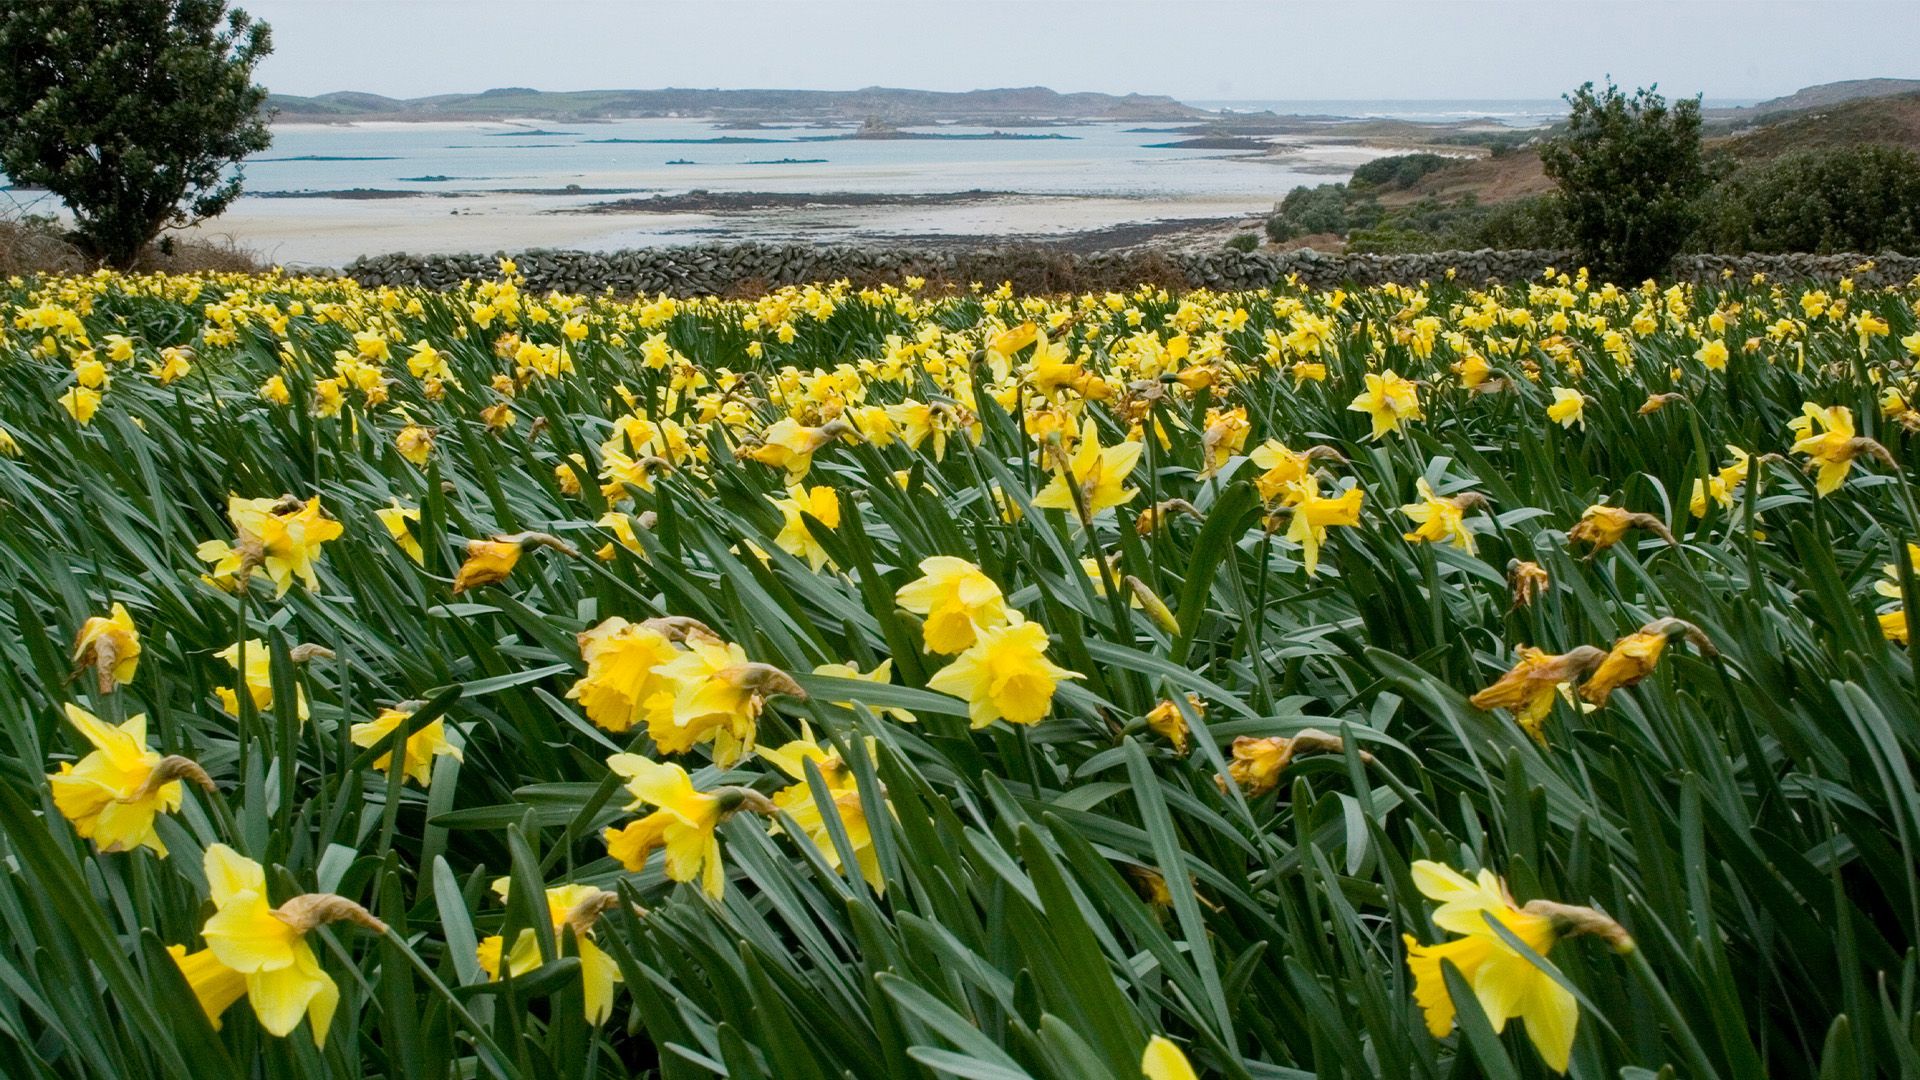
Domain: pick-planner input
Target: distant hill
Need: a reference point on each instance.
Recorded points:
(1884, 121)
(894, 106)
(1833, 93)
(1864, 118)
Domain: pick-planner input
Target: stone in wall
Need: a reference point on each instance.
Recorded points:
(704, 269)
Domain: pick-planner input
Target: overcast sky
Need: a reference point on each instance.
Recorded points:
(1191, 49)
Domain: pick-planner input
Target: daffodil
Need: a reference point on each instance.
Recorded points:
(487, 562)
(797, 801)
(1280, 469)
(418, 750)
(1441, 520)
(415, 443)
(1094, 478)
(398, 521)
(1165, 1061)
(790, 445)
(576, 907)
(1568, 408)
(1507, 983)
(1258, 762)
(819, 502)
(110, 645)
(1603, 526)
(1314, 514)
(1529, 688)
(958, 601)
(1720, 487)
(267, 947)
(1634, 656)
(718, 696)
(256, 674)
(1390, 401)
(1224, 436)
(621, 687)
(1004, 674)
(1826, 436)
(81, 403)
(492, 560)
(881, 675)
(113, 794)
(1167, 720)
(1526, 580)
(682, 822)
(283, 536)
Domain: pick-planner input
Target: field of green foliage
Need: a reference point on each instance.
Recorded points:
(1433, 681)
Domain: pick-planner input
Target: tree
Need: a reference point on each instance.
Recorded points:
(1629, 172)
(136, 113)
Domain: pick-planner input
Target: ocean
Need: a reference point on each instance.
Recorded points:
(325, 193)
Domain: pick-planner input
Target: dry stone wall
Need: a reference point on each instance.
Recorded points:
(735, 268)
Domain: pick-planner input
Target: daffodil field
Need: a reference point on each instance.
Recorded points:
(1429, 681)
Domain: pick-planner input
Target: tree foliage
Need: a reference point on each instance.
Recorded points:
(1630, 173)
(1856, 198)
(134, 112)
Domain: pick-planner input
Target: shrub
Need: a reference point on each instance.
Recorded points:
(1244, 242)
(1630, 174)
(1398, 172)
(1325, 208)
(1537, 222)
(1859, 198)
(134, 112)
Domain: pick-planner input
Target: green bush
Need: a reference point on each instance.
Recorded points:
(1630, 175)
(1399, 172)
(1326, 208)
(1537, 222)
(1244, 242)
(1860, 198)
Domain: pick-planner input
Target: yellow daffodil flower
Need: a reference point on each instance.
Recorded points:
(578, 907)
(420, 747)
(267, 947)
(1441, 520)
(718, 697)
(1165, 1061)
(113, 794)
(1826, 436)
(1314, 514)
(682, 822)
(110, 645)
(1529, 688)
(398, 522)
(1004, 674)
(1390, 401)
(1508, 984)
(823, 504)
(1098, 475)
(797, 801)
(622, 686)
(958, 601)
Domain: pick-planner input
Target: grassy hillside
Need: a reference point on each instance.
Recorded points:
(1887, 121)
(1882, 121)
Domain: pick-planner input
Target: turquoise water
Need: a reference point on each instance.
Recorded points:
(1085, 159)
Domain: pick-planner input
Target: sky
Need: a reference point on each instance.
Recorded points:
(1196, 50)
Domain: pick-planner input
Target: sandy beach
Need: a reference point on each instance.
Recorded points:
(448, 187)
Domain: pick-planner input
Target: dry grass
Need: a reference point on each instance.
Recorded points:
(32, 244)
